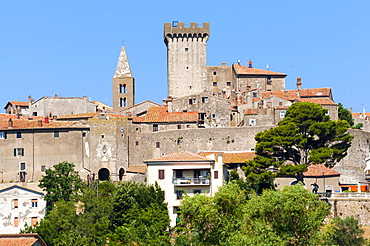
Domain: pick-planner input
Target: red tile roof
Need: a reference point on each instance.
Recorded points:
(18, 103)
(239, 69)
(321, 101)
(34, 124)
(28, 239)
(232, 157)
(180, 156)
(320, 170)
(315, 92)
(361, 115)
(136, 168)
(88, 115)
(289, 95)
(13, 116)
(160, 114)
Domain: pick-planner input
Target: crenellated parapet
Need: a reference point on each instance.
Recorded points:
(174, 32)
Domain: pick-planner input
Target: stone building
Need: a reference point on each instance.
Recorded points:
(16, 107)
(123, 84)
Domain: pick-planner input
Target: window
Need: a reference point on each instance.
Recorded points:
(204, 99)
(214, 83)
(269, 80)
(15, 203)
(157, 144)
(43, 169)
(213, 116)
(16, 222)
(197, 191)
(22, 166)
(19, 135)
(215, 174)
(252, 122)
(2, 135)
(214, 73)
(178, 194)
(137, 143)
(33, 221)
(228, 83)
(282, 114)
(161, 174)
(34, 114)
(254, 94)
(84, 134)
(192, 101)
(155, 128)
(187, 68)
(327, 112)
(176, 210)
(122, 102)
(179, 127)
(178, 174)
(186, 49)
(56, 134)
(122, 88)
(280, 103)
(22, 176)
(18, 151)
(34, 203)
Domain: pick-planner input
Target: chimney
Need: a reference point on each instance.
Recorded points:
(10, 123)
(46, 120)
(224, 64)
(299, 83)
(250, 64)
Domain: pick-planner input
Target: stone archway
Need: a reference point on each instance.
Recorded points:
(103, 174)
(121, 172)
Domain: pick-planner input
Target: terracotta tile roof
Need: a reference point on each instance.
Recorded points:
(281, 107)
(28, 239)
(136, 168)
(232, 157)
(147, 101)
(361, 115)
(18, 103)
(160, 114)
(320, 170)
(321, 101)
(34, 124)
(13, 117)
(315, 92)
(289, 95)
(251, 111)
(239, 69)
(17, 241)
(78, 116)
(180, 156)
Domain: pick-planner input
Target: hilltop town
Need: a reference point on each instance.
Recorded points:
(189, 142)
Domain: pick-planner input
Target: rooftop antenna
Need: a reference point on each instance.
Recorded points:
(245, 62)
(267, 67)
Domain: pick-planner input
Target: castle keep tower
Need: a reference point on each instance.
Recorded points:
(186, 58)
(123, 84)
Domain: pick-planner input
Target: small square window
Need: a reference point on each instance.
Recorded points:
(2, 135)
(43, 169)
(56, 134)
(155, 128)
(19, 135)
(187, 68)
(84, 134)
(179, 127)
(22, 166)
(204, 99)
(197, 191)
(137, 143)
(176, 210)
(161, 174)
(18, 151)
(214, 83)
(213, 116)
(228, 83)
(214, 73)
(186, 49)
(157, 144)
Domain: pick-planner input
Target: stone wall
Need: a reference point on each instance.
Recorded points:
(359, 208)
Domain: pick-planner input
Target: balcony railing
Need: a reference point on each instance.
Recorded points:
(191, 181)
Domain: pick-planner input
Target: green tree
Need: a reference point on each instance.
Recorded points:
(304, 137)
(61, 182)
(345, 114)
(139, 215)
(344, 232)
(294, 214)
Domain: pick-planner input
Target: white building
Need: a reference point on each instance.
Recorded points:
(184, 173)
(20, 206)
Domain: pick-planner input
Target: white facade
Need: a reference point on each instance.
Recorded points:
(184, 173)
(20, 206)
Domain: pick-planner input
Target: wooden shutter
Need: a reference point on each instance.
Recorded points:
(22, 151)
(16, 222)
(160, 174)
(215, 175)
(15, 203)
(33, 221)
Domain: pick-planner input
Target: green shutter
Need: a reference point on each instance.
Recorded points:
(22, 151)
(15, 152)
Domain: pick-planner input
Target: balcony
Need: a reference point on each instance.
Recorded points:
(191, 181)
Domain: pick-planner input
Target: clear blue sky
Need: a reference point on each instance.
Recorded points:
(71, 47)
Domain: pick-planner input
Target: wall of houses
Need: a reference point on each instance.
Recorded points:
(219, 78)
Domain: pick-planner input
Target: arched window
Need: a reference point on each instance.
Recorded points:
(103, 174)
(122, 102)
(122, 89)
(282, 114)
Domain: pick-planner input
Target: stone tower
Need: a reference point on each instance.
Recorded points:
(186, 58)
(123, 84)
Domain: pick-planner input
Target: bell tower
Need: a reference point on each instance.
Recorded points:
(123, 84)
(186, 58)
